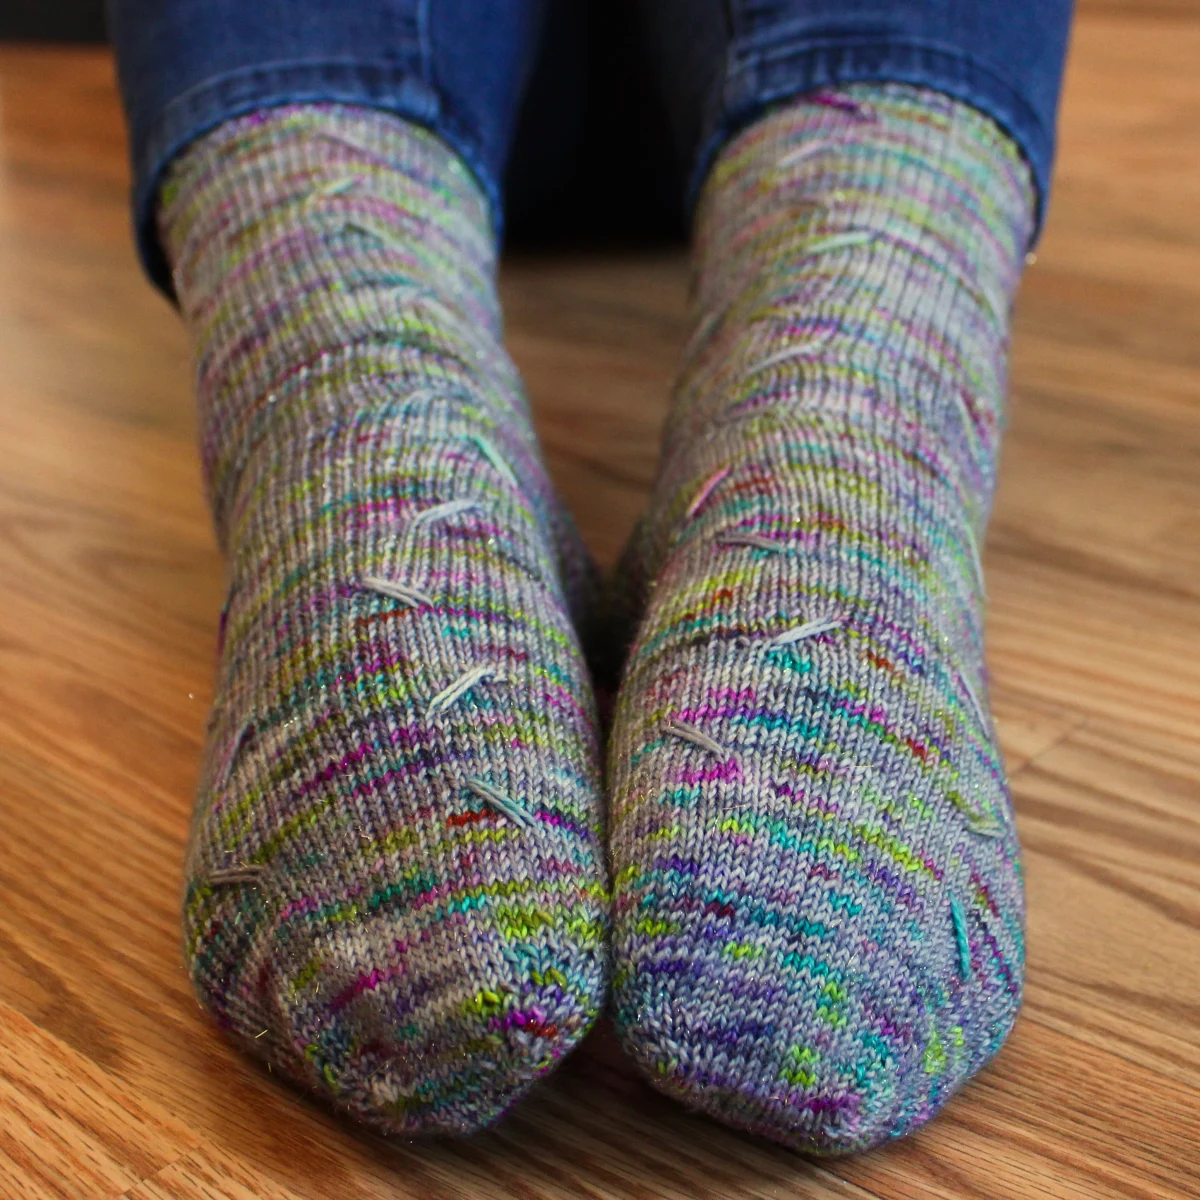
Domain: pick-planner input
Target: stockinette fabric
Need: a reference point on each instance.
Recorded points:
(395, 884)
(818, 925)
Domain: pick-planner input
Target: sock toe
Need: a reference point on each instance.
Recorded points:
(818, 908)
(810, 941)
(451, 1055)
(420, 993)
(795, 1001)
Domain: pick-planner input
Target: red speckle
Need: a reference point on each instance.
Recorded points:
(538, 1029)
(918, 750)
(469, 818)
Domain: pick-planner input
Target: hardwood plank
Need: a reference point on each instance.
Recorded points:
(597, 340)
(1141, 9)
(1053, 1117)
(67, 1129)
(1111, 831)
(114, 1084)
(1028, 727)
(209, 1174)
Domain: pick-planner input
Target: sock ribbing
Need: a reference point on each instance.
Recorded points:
(818, 905)
(394, 887)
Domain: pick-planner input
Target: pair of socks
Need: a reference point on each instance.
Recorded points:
(398, 887)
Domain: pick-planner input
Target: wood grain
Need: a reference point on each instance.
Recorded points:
(112, 1082)
(70, 1129)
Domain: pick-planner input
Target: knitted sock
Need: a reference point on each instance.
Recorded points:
(394, 888)
(819, 907)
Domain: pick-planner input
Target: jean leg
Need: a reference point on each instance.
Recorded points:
(185, 66)
(723, 62)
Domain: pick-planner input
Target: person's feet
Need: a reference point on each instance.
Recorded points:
(395, 888)
(818, 898)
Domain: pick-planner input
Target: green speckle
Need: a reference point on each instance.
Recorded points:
(935, 1056)
(651, 928)
(740, 950)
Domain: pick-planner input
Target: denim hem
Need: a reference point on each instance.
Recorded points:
(756, 78)
(389, 86)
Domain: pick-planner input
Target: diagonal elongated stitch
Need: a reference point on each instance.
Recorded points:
(843, 103)
(225, 767)
(339, 187)
(235, 875)
(707, 488)
(984, 828)
(976, 822)
(494, 457)
(765, 411)
(459, 688)
(440, 512)
(392, 239)
(960, 935)
(403, 592)
(966, 412)
(757, 541)
(975, 558)
(689, 733)
(806, 151)
(701, 333)
(840, 241)
(408, 294)
(973, 697)
(798, 350)
(501, 803)
(425, 396)
(807, 630)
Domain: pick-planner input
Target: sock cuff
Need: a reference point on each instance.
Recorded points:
(355, 166)
(931, 156)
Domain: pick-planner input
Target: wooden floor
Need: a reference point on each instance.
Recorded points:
(113, 1084)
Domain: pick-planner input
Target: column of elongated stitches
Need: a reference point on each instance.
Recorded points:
(395, 890)
(818, 901)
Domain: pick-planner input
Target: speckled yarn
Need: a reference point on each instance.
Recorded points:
(819, 909)
(395, 890)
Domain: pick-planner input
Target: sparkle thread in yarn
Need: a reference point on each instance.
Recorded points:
(395, 887)
(819, 930)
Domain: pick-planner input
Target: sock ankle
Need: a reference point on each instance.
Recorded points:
(394, 885)
(818, 897)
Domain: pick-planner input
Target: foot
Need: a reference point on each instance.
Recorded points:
(395, 889)
(818, 897)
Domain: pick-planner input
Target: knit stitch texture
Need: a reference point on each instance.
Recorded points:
(395, 889)
(818, 895)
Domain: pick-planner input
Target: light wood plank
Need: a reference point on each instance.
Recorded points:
(1111, 829)
(67, 1128)
(112, 1082)
(209, 1174)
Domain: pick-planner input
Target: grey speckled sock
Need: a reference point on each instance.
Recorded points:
(819, 907)
(395, 884)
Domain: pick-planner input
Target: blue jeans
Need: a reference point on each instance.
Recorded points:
(462, 68)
